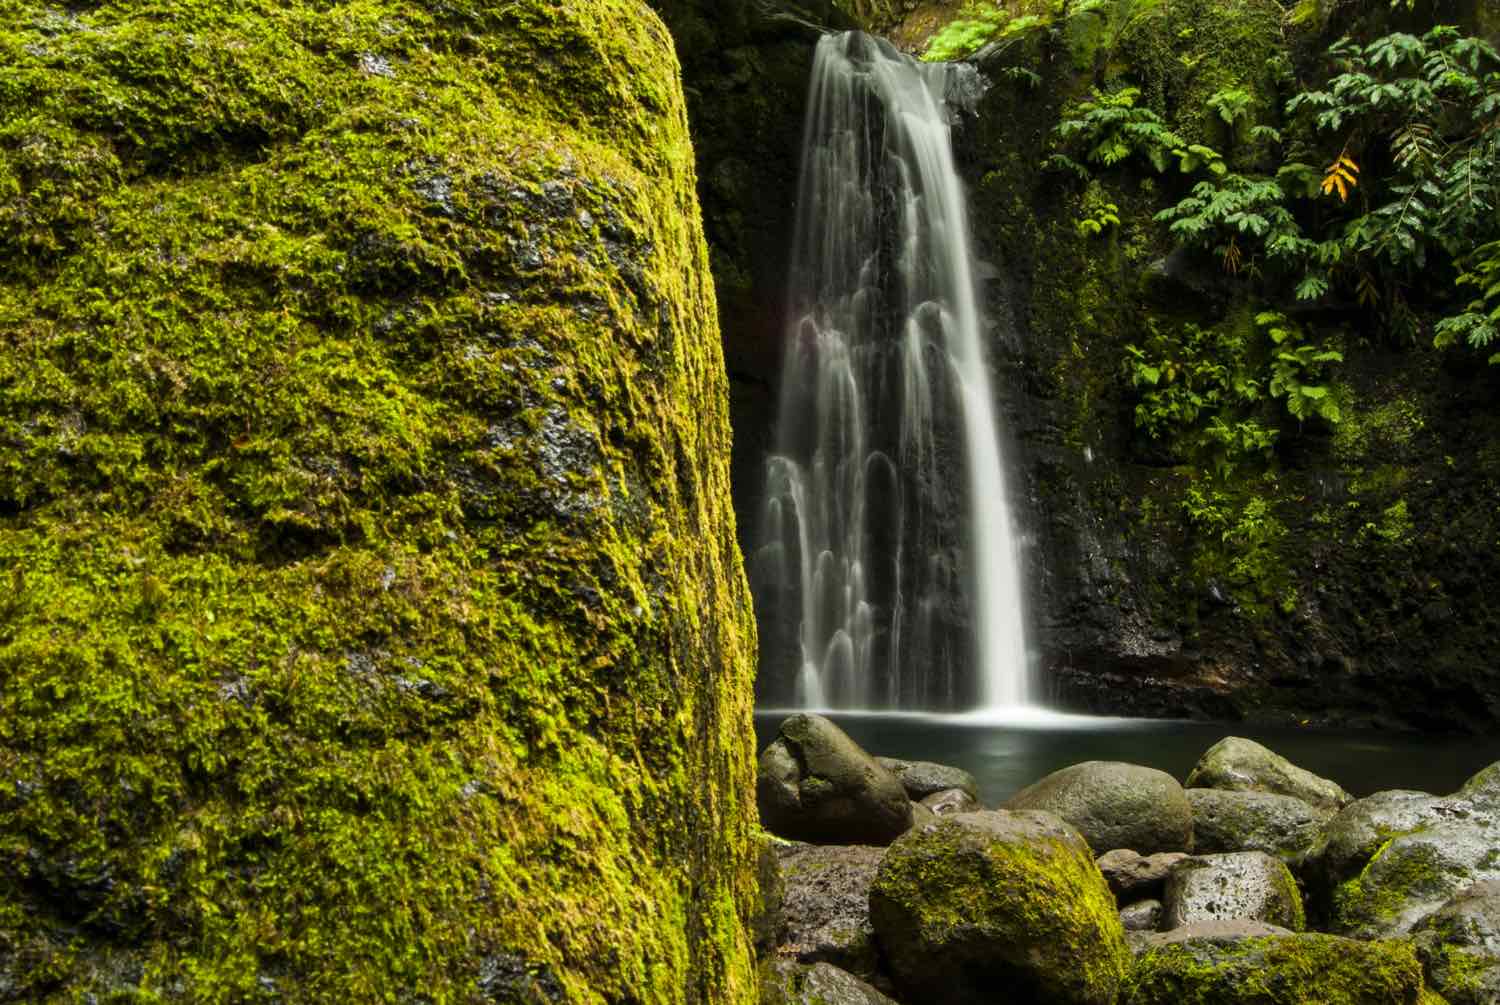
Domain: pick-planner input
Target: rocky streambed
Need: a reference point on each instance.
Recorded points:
(1253, 880)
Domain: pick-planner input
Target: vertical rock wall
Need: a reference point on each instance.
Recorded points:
(373, 627)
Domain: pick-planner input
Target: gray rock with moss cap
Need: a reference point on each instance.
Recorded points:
(1251, 886)
(1115, 805)
(1242, 765)
(816, 784)
(1305, 969)
(1412, 875)
(998, 906)
(1459, 945)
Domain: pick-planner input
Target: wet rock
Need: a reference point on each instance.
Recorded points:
(924, 778)
(1242, 765)
(921, 815)
(1115, 805)
(1133, 876)
(816, 784)
(1459, 945)
(826, 905)
(787, 982)
(1275, 970)
(1142, 916)
(950, 801)
(1247, 886)
(1412, 875)
(1228, 820)
(984, 901)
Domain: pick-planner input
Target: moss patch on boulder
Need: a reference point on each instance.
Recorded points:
(373, 623)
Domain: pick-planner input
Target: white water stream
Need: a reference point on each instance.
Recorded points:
(887, 512)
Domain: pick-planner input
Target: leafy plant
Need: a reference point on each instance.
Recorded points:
(1110, 128)
(1297, 369)
(1102, 218)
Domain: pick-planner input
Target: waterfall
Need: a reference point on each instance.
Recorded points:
(890, 552)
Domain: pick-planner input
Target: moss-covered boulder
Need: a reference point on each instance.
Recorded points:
(1459, 945)
(1115, 805)
(1241, 765)
(1412, 875)
(373, 627)
(997, 907)
(1281, 970)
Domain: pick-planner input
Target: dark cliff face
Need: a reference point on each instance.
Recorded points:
(373, 626)
(1343, 580)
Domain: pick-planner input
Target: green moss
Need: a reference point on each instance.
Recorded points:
(1042, 913)
(1394, 875)
(1285, 970)
(373, 622)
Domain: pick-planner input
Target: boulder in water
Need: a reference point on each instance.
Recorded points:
(816, 784)
(1115, 805)
(1243, 765)
(1275, 970)
(1227, 820)
(990, 906)
(924, 778)
(1239, 886)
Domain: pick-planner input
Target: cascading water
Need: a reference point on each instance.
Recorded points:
(890, 551)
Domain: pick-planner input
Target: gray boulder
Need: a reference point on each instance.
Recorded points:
(1244, 886)
(826, 905)
(1275, 970)
(997, 906)
(1227, 820)
(1242, 765)
(922, 778)
(787, 982)
(1459, 945)
(1141, 916)
(816, 784)
(951, 801)
(1133, 876)
(1115, 805)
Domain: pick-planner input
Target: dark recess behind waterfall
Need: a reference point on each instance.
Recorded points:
(1110, 635)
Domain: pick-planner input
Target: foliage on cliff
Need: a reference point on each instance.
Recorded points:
(372, 626)
(1255, 465)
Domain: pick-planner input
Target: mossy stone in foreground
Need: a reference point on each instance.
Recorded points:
(998, 907)
(372, 625)
(1277, 970)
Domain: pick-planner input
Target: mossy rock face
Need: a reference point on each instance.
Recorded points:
(1412, 875)
(373, 626)
(998, 906)
(1459, 945)
(1279, 970)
